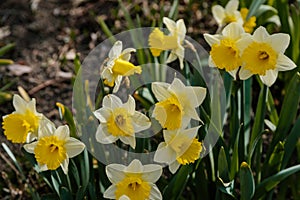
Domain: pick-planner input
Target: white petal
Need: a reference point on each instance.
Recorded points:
(244, 74)
(19, 104)
(232, 6)
(110, 193)
(172, 56)
(126, 53)
(103, 137)
(30, 147)
(151, 173)
(212, 39)
(169, 135)
(192, 113)
(135, 167)
(284, 63)
(164, 154)
(160, 90)
(112, 101)
(103, 114)
(118, 81)
(244, 42)
(46, 127)
(155, 194)
(107, 74)
(64, 165)
(42, 167)
(181, 29)
(233, 31)
(124, 197)
(32, 106)
(260, 34)
(115, 172)
(130, 105)
(270, 77)
(279, 41)
(200, 93)
(190, 133)
(180, 54)
(233, 73)
(130, 140)
(174, 166)
(185, 121)
(177, 87)
(170, 24)
(140, 122)
(74, 147)
(115, 50)
(219, 14)
(211, 62)
(62, 132)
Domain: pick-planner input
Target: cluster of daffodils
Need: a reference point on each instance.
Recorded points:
(51, 146)
(243, 55)
(230, 14)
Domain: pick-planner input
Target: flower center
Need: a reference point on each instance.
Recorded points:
(169, 113)
(133, 187)
(226, 55)
(120, 123)
(259, 57)
(50, 151)
(18, 126)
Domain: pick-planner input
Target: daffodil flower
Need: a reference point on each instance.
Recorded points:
(225, 53)
(228, 14)
(159, 42)
(22, 125)
(177, 103)
(54, 147)
(119, 121)
(180, 148)
(118, 65)
(263, 54)
(135, 181)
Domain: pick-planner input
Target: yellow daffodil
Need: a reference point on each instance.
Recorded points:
(159, 42)
(118, 65)
(135, 181)
(263, 54)
(177, 103)
(228, 14)
(54, 147)
(225, 53)
(249, 24)
(22, 125)
(180, 148)
(119, 121)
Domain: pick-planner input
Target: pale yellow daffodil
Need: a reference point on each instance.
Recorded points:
(118, 65)
(263, 54)
(177, 103)
(22, 125)
(54, 147)
(134, 182)
(119, 121)
(180, 148)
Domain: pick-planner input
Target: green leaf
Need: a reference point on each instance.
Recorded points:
(6, 48)
(270, 182)
(272, 109)
(247, 182)
(234, 167)
(274, 162)
(6, 61)
(290, 143)
(254, 7)
(65, 193)
(105, 29)
(223, 171)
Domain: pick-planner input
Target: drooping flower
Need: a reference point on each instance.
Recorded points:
(135, 181)
(54, 147)
(119, 121)
(225, 53)
(263, 54)
(180, 148)
(229, 14)
(118, 65)
(159, 42)
(249, 24)
(177, 103)
(22, 125)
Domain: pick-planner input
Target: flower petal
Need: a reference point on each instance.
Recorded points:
(170, 24)
(233, 73)
(232, 6)
(244, 42)
(160, 90)
(130, 105)
(134, 167)
(62, 132)
(181, 29)
(30, 147)
(140, 122)
(112, 101)
(103, 137)
(169, 135)
(115, 50)
(151, 172)
(244, 73)
(200, 93)
(130, 140)
(174, 166)
(284, 63)
(172, 56)
(219, 14)
(115, 172)
(46, 127)
(212, 39)
(117, 83)
(103, 114)
(155, 194)
(260, 34)
(74, 147)
(64, 165)
(279, 41)
(110, 192)
(270, 77)
(126, 53)
(233, 31)
(164, 154)
(19, 104)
